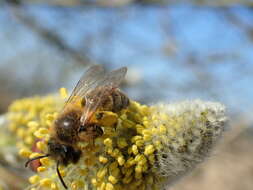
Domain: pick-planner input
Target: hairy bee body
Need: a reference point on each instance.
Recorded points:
(95, 91)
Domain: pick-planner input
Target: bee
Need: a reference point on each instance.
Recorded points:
(95, 91)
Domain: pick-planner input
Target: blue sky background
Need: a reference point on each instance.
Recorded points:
(157, 43)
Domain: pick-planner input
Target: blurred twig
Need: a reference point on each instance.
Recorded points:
(47, 35)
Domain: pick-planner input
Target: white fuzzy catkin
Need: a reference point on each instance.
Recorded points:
(197, 125)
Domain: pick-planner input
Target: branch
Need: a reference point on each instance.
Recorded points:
(47, 35)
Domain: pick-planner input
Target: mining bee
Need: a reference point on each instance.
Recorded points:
(95, 91)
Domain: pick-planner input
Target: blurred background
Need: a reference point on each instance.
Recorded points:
(174, 51)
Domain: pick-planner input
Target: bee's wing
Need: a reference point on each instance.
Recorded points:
(88, 79)
(102, 89)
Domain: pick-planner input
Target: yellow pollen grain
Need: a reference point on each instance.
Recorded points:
(108, 142)
(122, 143)
(139, 143)
(34, 179)
(103, 159)
(112, 179)
(135, 138)
(102, 186)
(149, 149)
(127, 180)
(121, 160)
(28, 140)
(33, 124)
(41, 169)
(25, 152)
(46, 182)
(41, 133)
(109, 186)
(138, 169)
(45, 161)
(135, 149)
(63, 93)
(94, 182)
(101, 173)
(116, 152)
(54, 186)
(41, 145)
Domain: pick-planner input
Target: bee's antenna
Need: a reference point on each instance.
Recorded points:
(36, 158)
(59, 175)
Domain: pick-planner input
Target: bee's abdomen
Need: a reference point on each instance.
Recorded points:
(120, 101)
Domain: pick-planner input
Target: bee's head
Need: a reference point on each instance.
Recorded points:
(62, 154)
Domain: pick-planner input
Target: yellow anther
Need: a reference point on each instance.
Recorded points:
(122, 143)
(142, 161)
(115, 172)
(127, 180)
(33, 124)
(138, 169)
(34, 179)
(54, 186)
(139, 157)
(135, 138)
(147, 137)
(112, 179)
(94, 182)
(103, 159)
(102, 186)
(109, 186)
(41, 145)
(42, 132)
(45, 161)
(24, 152)
(151, 158)
(121, 160)
(129, 172)
(149, 149)
(116, 152)
(41, 169)
(130, 162)
(135, 149)
(113, 165)
(101, 173)
(46, 182)
(28, 140)
(63, 93)
(108, 142)
(139, 143)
